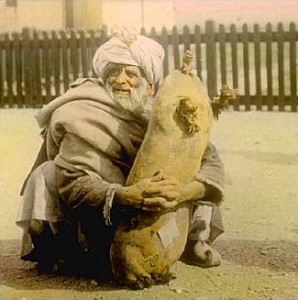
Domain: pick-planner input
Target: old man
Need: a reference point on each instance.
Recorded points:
(91, 136)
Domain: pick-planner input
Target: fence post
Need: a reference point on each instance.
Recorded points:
(164, 39)
(281, 66)
(245, 40)
(1, 74)
(186, 38)
(37, 89)
(257, 58)
(47, 66)
(222, 53)
(65, 63)
(18, 69)
(234, 54)
(28, 76)
(175, 39)
(9, 68)
(211, 59)
(268, 40)
(293, 70)
(198, 40)
(55, 56)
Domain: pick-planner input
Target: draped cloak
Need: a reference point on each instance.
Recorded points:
(85, 132)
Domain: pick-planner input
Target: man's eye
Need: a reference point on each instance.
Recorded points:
(114, 73)
(131, 74)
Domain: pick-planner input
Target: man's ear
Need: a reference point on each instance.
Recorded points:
(149, 88)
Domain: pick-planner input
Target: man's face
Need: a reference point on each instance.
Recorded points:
(127, 85)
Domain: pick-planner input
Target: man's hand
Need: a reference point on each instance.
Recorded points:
(139, 195)
(159, 193)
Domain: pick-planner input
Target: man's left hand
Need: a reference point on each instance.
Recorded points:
(169, 190)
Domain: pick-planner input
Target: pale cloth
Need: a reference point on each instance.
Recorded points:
(102, 129)
(102, 124)
(131, 49)
(40, 200)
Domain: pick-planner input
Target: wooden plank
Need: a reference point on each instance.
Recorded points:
(222, 54)
(83, 47)
(1, 72)
(18, 68)
(56, 64)
(246, 68)
(37, 71)
(65, 62)
(198, 50)
(153, 35)
(293, 69)
(257, 58)
(74, 55)
(269, 66)
(93, 48)
(164, 43)
(103, 36)
(143, 31)
(281, 67)
(175, 42)
(234, 53)
(186, 38)
(8, 70)
(46, 67)
(211, 59)
(28, 71)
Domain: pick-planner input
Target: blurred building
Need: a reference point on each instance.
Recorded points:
(85, 14)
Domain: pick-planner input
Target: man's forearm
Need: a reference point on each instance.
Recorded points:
(192, 191)
(78, 189)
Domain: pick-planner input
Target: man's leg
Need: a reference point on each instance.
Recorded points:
(198, 251)
(41, 245)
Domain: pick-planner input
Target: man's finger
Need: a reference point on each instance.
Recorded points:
(154, 192)
(160, 184)
(154, 201)
(161, 192)
(170, 195)
(157, 204)
(161, 177)
(169, 205)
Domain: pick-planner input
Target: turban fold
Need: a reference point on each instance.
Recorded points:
(131, 49)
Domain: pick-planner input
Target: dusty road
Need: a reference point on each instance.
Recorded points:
(259, 247)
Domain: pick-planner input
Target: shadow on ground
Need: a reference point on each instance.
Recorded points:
(20, 274)
(278, 256)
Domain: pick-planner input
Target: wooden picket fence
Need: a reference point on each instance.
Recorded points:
(260, 64)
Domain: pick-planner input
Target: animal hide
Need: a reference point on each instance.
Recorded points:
(144, 249)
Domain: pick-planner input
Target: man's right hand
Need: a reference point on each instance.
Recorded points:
(139, 196)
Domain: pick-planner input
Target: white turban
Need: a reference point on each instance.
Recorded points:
(131, 49)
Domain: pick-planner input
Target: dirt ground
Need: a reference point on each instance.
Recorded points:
(260, 245)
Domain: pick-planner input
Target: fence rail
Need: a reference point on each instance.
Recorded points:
(36, 67)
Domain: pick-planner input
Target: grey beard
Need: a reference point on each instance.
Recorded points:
(135, 102)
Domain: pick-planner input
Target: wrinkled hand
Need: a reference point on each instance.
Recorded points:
(159, 193)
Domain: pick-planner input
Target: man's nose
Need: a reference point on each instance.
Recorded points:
(121, 77)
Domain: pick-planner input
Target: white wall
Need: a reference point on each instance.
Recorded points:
(49, 14)
(87, 14)
(159, 13)
(39, 14)
(138, 13)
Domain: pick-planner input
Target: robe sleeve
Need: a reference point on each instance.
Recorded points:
(80, 189)
(212, 174)
(83, 174)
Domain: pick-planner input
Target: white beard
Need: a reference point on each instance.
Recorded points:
(135, 102)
